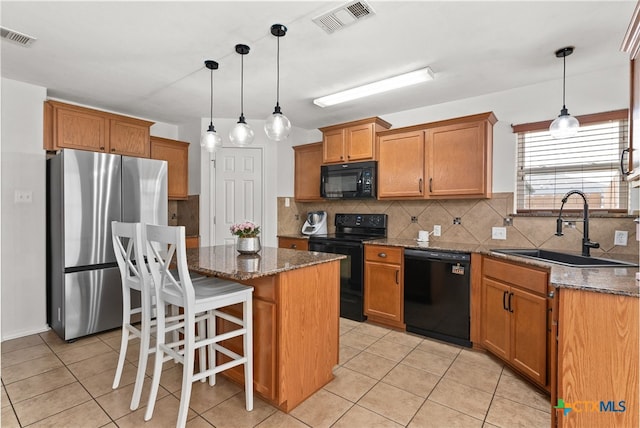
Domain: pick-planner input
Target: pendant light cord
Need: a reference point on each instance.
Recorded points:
(241, 85)
(564, 77)
(211, 100)
(278, 75)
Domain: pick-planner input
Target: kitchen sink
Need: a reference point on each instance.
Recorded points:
(565, 258)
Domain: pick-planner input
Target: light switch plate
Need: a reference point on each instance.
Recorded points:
(620, 238)
(499, 233)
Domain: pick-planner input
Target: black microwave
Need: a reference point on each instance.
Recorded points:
(356, 180)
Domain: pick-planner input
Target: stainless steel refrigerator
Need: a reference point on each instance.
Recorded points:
(86, 191)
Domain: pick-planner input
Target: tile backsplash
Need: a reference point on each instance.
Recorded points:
(477, 217)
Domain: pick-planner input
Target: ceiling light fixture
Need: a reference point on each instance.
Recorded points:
(210, 140)
(395, 82)
(241, 134)
(565, 125)
(277, 126)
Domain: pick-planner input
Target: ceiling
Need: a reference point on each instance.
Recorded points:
(146, 59)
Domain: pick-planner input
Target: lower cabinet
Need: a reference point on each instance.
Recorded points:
(513, 316)
(383, 285)
(293, 243)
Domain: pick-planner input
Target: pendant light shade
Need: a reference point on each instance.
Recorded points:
(210, 140)
(277, 126)
(241, 134)
(564, 125)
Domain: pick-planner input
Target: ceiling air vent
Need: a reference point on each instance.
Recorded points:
(343, 16)
(16, 37)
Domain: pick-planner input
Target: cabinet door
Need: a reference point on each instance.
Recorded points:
(308, 159)
(294, 243)
(529, 334)
(359, 142)
(176, 153)
(401, 165)
(129, 138)
(494, 318)
(333, 146)
(457, 160)
(80, 130)
(383, 291)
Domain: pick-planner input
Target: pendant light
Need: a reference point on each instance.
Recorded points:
(210, 140)
(277, 126)
(241, 134)
(565, 125)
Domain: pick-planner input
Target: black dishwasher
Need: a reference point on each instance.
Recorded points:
(437, 294)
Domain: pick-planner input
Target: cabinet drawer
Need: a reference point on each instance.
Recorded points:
(526, 277)
(383, 254)
(294, 243)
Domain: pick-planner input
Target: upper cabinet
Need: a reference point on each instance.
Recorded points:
(308, 159)
(176, 153)
(74, 127)
(631, 45)
(447, 159)
(352, 141)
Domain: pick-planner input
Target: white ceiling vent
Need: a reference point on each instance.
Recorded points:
(16, 37)
(343, 16)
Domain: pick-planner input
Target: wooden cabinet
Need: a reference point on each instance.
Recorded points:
(75, 127)
(597, 359)
(447, 159)
(383, 285)
(176, 153)
(513, 316)
(631, 45)
(352, 141)
(308, 159)
(294, 243)
(192, 241)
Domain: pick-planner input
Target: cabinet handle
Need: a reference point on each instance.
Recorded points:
(113, 150)
(504, 301)
(430, 185)
(348, 156)
(102, 148)
(551, 294)
(510, 308)
(397, 275)
(382, 255)
(294, 246)
(622, 169)
(420, 185)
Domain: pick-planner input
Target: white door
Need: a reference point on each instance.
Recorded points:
(238, 190)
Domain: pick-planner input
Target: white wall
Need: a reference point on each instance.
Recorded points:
(190, 132)
(23, 289)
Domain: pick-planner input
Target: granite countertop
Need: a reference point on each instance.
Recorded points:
(610, 280)
(224, 261)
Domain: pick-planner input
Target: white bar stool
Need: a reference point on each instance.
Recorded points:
(200, 301)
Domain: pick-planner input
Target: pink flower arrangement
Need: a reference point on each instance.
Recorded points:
(245, 230)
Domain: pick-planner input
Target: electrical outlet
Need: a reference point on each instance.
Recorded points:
(287, 202)
(437, 230)
(620, 238)
(499, 233)
(457, 220)
(23, 197)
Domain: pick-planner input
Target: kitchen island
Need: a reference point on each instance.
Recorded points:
(295, 317)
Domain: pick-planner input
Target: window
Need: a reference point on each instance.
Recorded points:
(590, 161)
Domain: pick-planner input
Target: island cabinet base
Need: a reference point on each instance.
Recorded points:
(296, 316)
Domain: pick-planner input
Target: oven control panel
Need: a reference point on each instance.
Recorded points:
(361, 220)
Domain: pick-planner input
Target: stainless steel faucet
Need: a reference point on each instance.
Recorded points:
(586, 242)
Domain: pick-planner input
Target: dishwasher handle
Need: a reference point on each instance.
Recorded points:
(437, 256)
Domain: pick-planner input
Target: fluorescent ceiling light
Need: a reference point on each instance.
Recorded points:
(395, 82)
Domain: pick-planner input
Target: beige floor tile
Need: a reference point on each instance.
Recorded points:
(462, 398)
(102, 383)
(204, 396)
(474, 376)
(281, 420)
(39, 384)
(86, 415)
(432, 363)
(392, 403)
(233, 413)
(503, 414)
(30, 368)
(322, 409)
(4, 398)
(357, 340)
(390, 350)
(51, 403)
(360, 417)
(165, 415)
(371, 330)
(442, 349)
(411, 379)
(59, 345)
(347, 353)
(117, 403)
(350, 384)
(516, 389)
(95, 365)
(81, 351)
(371, 365)
(9, 419)
(480, 359)
(171, 379)
(107, 335)
(21, 342)
(19, 356)
(348, 324)
(488, 425)
(432, 414)
(198, 422)
(402, 338)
